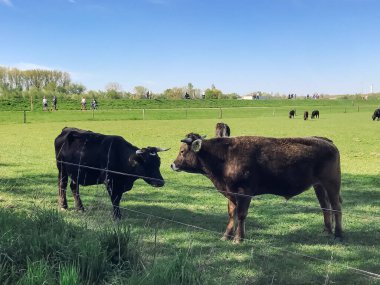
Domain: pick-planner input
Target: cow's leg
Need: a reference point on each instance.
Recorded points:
(62, 186)
(325, 205)
(335, 201)
(242, 212)
(115, 198)
(75, 190)
(228, 234)
(333, 192)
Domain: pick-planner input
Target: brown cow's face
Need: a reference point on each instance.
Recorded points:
(187, 159)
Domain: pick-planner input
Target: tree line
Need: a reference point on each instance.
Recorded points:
(37, 83)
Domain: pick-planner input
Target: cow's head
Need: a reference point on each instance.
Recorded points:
(146, 163)
(187, 159)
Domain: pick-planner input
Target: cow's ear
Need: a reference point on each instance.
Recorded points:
(196, 145)
(134, 159)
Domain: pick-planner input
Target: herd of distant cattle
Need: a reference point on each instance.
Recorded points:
(315, 114)
(239, 167)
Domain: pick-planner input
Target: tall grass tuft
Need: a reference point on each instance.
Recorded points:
(37, 273)
(69, 275)
(46, 249)
(180, 270)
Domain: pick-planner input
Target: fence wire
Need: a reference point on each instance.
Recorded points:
(359, 271)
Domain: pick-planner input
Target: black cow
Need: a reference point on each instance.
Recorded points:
(252, 166)
(305, 115)
(315, 114)
(222, 130)
(376, 114)
(89, 158)
(292, 113)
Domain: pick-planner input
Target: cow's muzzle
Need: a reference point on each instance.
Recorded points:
(174, 167)
(156, 182)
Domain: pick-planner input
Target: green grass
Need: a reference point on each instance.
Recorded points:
(169, 253)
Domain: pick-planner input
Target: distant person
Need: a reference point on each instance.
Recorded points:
(44, 104)
(94, 104)
(187, 96)
(84, 103)
(54, 103)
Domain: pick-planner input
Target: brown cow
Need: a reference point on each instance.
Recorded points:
(261, 165)
(222, 130)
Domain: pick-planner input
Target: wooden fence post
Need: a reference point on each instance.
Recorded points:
(24, 117)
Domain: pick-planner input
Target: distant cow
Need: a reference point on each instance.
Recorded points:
(315, 114)
(89, 158)
(242, 167)
(222, 130)
(376, 114)
(305, 115)
(292, 114)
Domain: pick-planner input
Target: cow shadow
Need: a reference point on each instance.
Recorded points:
(275, 230)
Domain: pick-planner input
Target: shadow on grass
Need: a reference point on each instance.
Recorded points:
(275, 232)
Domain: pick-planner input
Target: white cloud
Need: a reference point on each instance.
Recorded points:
(6, 2)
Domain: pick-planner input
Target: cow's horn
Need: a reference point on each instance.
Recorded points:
(139, 151)
(196, 145)
(187, 140)
(203, 137)
(162, 149)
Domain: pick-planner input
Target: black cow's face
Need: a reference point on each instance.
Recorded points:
(146, 163)
(187, 159)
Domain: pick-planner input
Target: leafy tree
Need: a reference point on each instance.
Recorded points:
(76, 88)
(213, 93)
(140, 92)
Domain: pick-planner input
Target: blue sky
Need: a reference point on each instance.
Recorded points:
(286, 46)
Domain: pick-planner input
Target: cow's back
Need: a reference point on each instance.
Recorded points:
(76, 147)
(282, 166)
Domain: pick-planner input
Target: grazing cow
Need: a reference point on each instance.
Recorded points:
(292, 113)
(222, 130)
(376, 114)
(242, 167)
(89, 158)
(315, 114)
(305, 115)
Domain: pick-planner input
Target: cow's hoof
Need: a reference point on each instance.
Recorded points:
(63, 208)
(80, 209)
(338, 237)
(327, 231)
(237, 240)
(224, 238)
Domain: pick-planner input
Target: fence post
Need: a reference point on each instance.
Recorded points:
(358, 108)
(93, 113)
(220, 113)
(143, 113)
(186, 113)
(24, 117)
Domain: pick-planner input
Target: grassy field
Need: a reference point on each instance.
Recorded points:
(161, 251)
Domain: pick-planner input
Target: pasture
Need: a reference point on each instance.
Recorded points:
(177, 228)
